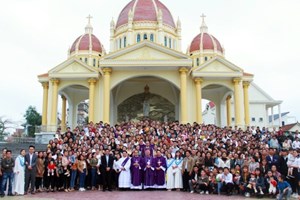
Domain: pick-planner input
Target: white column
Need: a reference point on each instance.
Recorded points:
(272, 115)
(267, 122)
(279, 113)
(238, 103)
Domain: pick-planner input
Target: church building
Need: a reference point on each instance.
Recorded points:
(145, 72)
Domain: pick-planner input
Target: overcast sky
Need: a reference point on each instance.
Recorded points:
(260, 36)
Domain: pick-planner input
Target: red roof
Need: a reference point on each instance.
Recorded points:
(145, 10)
(43, 75)
(84, 43)
(288, 127)
(207, 41)
(211, 104)
(247, 74)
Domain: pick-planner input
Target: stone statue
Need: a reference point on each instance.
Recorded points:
(146, 108)
(146, 105)
(165, 118)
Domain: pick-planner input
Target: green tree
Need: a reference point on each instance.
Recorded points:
(4, 124)
(33, 119)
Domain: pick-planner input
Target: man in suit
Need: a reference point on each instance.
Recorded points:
(187, 169)
(272, 158)
(107, 162)
(282, 162)
(30, 171)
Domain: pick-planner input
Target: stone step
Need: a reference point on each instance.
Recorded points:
(16, 147)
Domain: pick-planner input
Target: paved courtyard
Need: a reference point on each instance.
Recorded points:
(132, 195)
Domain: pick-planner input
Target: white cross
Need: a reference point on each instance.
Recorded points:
(203, 17)
(89, 18)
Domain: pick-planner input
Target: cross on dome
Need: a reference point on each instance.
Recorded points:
(203, 17)
(89, 28)
(203, 28)
(89, 19)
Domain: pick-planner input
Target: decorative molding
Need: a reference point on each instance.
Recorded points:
(69, 62)
(149, 44)
(198, 80)
(183, 70)
(45, 85)
(236, 80)
(106, 71)
(92, 81)
(145, 63)
(55, 81)
(74, 76)
(221, 60)
(246, 84)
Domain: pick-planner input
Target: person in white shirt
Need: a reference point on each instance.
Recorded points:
(286, 144)
(227, 181)
(223, 161)
(296, 143)
(296, 167)
(290, 162)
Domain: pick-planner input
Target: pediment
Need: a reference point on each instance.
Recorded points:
(73, 68)
(218, 66)
(146, 50)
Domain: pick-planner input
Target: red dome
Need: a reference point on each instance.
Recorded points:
(145, 10)
(83, 43)
(208, 41)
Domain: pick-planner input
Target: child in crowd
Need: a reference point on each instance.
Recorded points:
(51, 168)
(219, 180)
(284, 189)
(272, 187)
(252, 182)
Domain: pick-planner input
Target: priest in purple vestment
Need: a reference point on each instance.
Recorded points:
(160, 165)
(148, 170)
(137, 166)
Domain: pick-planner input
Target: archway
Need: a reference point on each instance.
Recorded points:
(216, 93)
(77, 104)
(209, 112)
(146, 105)
(145, 97)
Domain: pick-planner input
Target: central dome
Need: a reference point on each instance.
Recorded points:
(145, 10)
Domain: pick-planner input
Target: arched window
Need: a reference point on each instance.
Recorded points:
(170, 43)
(138, 38)
(198, 63)
(145, 36)
(125, 42)
(85, 60)
(152, 37)
(120, 43)
(166, 41)
(94, 62)
(205, 58)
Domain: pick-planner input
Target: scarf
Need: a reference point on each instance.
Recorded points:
(22, 160)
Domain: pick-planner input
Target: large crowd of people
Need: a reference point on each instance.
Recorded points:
(152, 155)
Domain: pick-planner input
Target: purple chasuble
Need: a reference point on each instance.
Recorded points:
(136, 171)
(148, 172)
(160, 174)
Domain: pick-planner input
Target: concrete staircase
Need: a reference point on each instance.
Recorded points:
(16, 147)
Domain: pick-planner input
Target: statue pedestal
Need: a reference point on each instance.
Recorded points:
(44, 137)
